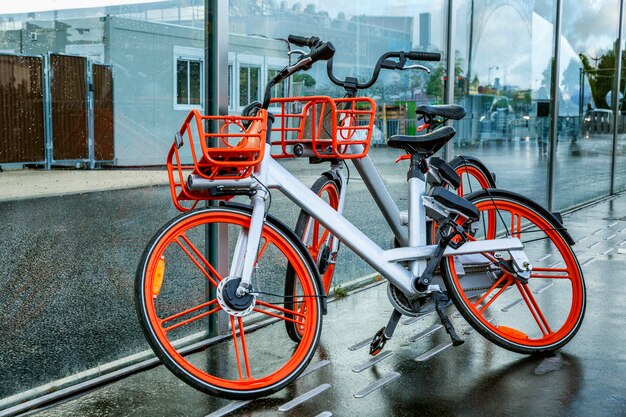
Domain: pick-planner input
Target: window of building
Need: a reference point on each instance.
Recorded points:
(188, 78)
(249, 88)
(230, 86)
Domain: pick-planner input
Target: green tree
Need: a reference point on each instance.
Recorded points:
(601, 76)
(305, 78)
(435, 85)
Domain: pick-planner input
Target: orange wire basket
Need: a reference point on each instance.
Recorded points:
(229, 154)
(325, 125)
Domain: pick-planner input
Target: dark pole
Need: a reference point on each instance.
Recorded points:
(216, 99)
(554, 100)
(469, 54)
(581, 100)
(450, 54)
(617, 79)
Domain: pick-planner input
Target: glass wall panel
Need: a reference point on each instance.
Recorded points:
(503, 80)
(361, 31)
(620, 166)
(72, 238)
(585, 133)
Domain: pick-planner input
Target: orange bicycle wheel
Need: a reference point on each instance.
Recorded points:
(180, 296)
(536, 315)
(318, 242)
(474, 175)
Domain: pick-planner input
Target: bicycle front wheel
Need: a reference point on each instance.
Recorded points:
(536, 316)
(179, 295)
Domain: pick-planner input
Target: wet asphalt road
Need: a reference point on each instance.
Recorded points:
(585, 378)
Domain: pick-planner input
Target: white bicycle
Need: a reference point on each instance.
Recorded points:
(493, 249)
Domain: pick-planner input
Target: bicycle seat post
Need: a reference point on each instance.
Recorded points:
(417, 211)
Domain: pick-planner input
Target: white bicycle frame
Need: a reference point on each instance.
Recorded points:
(269, 174)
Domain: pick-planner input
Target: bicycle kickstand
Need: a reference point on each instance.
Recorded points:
(384, 334)
(441, 301)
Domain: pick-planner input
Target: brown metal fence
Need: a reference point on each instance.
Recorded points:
(68, 91)
(21, 109)
(103, 112)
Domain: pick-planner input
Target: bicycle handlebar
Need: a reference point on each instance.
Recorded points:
(302, 41)
(319, 51)
(383, 62)
(424, 56)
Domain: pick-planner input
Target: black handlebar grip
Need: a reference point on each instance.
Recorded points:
(423, 56)
(323, 53)
(302, 41)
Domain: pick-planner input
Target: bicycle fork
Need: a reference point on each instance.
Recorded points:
(247, 248)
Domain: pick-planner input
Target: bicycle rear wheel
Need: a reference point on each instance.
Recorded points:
(534, 317)
(179, 294)
(474, 174)
(318, 242)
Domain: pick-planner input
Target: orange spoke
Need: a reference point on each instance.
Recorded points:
(504, 288)
(199, 316)
(316, 232)
(200, 267)
(278, 316)
(323, 238)
(550, 276)
(232, 326)
(493, 287)
(547, 271)
(536, 307)
(244, 346)
(532, 305)
(550, 270)
(202, 258)
(189, 310)
(261, 251)
(281, 309)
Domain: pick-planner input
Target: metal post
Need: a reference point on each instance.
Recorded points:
(617, 80)
(90, 114)
(581, 102)
(451, 64)
(468, 79)
(47, 111)
(216, 102)
(554, 100)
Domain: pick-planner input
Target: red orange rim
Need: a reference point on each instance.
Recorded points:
(550, 334)
(247, 380)
(471, 171)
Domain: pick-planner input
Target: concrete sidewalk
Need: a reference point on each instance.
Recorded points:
(476, 379)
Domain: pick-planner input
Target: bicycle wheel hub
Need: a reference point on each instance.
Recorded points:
(230, 302)
(323, 259)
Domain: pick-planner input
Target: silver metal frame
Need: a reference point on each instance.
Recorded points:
(272, 175)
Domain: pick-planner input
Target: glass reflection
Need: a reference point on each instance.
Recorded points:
(503, 79)
(585, 125)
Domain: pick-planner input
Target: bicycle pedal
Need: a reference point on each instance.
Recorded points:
(378, 342)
